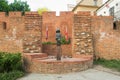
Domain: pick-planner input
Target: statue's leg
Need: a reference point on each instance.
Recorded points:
(58, 52)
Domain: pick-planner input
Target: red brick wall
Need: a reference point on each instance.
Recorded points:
(106, 40)
(13, 21)
(16, 31)
(52, 21)
(118, 25)
(11, 37)
(32, 40)
(82, 37)
(52, 49)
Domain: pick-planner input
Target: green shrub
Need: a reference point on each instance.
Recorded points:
(63, 41)
(13, 75)
(10, 62)
(10, 66)
(48, 43)
(114, 64)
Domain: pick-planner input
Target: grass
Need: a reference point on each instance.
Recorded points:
(112, 64)
(13, 75)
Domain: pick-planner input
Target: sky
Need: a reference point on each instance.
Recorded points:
(52, 5)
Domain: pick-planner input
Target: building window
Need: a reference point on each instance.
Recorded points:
(114, 26)
(111, 11)
(95, 2)
(116, 4)
(4, 25)
(104, 12)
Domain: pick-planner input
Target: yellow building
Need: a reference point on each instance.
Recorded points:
(87, 5)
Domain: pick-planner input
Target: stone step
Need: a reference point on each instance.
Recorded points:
(31, 56)
(31, 52)
(83, 56)
(43, 58)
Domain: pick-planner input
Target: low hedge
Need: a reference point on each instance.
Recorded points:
(10, 62)
(13, 75)
(10, 66)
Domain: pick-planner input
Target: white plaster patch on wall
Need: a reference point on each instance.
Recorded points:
(102, 35)
(18, 43)
(14, 33)
(6, 37)
(112, 36)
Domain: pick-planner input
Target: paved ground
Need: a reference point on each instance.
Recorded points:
(91, 74)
